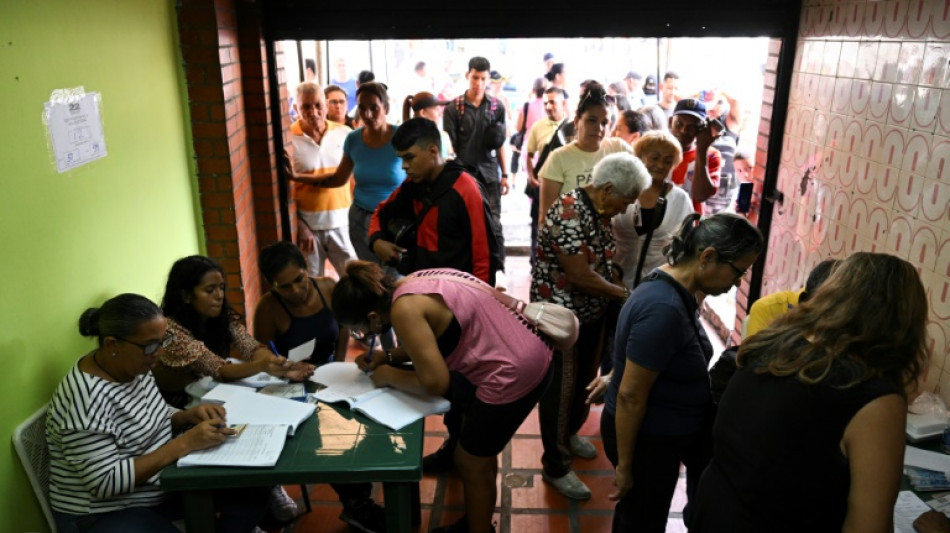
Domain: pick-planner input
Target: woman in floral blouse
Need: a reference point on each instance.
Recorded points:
(575, 269)
(206, 331)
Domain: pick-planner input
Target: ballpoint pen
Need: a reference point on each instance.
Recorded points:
(369, 354)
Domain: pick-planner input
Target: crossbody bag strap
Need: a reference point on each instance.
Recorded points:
(658, 218)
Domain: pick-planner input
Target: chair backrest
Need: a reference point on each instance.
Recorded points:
(29, 439)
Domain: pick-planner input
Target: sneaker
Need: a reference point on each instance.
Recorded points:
(581, 447)
(570, 485)
(461, 526)
(365, 516)
(281, 505)
(438, 462)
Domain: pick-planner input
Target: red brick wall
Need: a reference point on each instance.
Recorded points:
(226, 73)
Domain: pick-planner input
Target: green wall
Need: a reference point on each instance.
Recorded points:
(68, 241)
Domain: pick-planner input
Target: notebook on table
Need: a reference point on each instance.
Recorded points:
(255, 445)
(395, 409)
(245, 406)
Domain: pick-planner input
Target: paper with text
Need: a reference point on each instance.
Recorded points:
(906, 510)
(256, 446)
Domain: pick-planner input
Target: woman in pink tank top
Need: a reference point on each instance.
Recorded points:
(464, 345)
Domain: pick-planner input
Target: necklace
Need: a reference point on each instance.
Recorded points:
(95, 360)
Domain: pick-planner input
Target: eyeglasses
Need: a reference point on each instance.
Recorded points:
(739, 273)
(152, 347)
(336, 102)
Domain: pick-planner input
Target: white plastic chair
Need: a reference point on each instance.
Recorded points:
(29, 440)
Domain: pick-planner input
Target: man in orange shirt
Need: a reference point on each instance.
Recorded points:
(698, 173)
(322, 213)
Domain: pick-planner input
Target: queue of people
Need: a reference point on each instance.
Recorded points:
(818, 399)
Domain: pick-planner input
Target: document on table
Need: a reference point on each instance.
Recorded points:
(290, 390)
(906, 510)
(937, 462)
(261, 379)
(304, 351)
(245, 406)
(344, 382)
(257, 445)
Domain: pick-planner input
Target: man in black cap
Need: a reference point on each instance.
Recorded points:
(698, 173)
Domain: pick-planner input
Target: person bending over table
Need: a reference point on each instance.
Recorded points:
(297, 310)
(110, 433)
(464, 345)
(205, 331)
(810, 431)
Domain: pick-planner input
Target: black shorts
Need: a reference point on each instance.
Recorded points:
(482, 429)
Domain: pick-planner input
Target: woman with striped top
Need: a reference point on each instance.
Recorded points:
(110, 432)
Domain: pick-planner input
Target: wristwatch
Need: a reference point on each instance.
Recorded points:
(504, 176)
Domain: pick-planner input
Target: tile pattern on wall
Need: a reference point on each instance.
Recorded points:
(865, 163)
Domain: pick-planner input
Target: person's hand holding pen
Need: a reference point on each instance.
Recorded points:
(206, 434)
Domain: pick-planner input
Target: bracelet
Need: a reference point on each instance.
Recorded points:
(504, 176)
(626, 293)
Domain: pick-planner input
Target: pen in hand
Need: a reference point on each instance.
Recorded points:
(369, 354)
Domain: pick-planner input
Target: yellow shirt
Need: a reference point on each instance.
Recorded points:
(768, 308)
(322, 208)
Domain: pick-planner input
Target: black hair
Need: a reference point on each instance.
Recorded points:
(365, 76)
(119, 316)
(671, 75)
(362, 289)
(375, 88)
(538, 87)
(417, 131)
(479, 64)
(594, 94)
(558, 90)
(732, 236)
(184, 276)
(557, 68)
(817, 276)
(310, 64)
(635, 121)
(278, 256)
(334, 88)
(420, 65)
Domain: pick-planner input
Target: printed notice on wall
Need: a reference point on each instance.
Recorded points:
(75, 127)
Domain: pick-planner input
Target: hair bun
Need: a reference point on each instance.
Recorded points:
(89, 322)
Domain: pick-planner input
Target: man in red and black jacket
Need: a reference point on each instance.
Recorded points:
(438, 217)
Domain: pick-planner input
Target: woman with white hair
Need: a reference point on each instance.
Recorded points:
(575, 268)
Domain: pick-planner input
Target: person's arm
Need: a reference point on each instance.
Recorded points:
(412, 317)
(265, 325)
(472, 215)
(548, 194)
(398, 205)
(529, 169)
(338, 178)
(580, 275)
(503, 161)
(705, 179)
(260, 359)
(873, 442)
(632, 396)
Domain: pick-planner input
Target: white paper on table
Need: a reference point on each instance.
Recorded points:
(303, 351)
(224, 392)
(256, 445)
(343, 377)
(937, 462)
(906, 510)
(290, 390)
(261, 379)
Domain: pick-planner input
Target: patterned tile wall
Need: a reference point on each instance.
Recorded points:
(865, 164)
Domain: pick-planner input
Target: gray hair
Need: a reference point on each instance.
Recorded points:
(628, 175)
(731, 235)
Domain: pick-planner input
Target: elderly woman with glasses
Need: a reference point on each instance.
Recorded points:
(658, 405)
(110, 434)
(571, 166)
(575, 268)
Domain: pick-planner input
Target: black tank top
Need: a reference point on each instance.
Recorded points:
(321, 325)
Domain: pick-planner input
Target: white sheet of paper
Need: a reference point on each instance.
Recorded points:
(75, 128)
(290, 390)
(223, 392)
(938, 462)
(257, 445)
(261, 379)
(302, 352)
(906, 510)
(343, 375)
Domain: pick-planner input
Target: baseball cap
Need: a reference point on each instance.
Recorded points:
(496, 76)
(690, 106)
(548, 56)
(424, 100)
(633, 76)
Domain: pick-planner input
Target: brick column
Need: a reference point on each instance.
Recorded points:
(226, 74)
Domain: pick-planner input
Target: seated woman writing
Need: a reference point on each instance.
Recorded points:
(110, 432)
(205, 331)
(464, 345)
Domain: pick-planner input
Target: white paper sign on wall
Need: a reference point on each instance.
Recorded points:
(75, 127)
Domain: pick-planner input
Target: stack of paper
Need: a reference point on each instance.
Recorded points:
(261, 379)
(245, 406)
(928, 471)
(393, 408)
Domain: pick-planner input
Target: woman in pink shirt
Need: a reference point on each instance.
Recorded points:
(464, 345)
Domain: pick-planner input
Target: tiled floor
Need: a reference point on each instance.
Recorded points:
(525, 503)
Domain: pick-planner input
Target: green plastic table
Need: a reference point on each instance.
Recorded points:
(332, 446)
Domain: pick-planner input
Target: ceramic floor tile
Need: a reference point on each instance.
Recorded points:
(455, 492)
(538, 495)
(540, 523)
(322, 519)
(591, 426)
(526, 453)
(530, 426)
(597, 463)
(595, 523)
(601, 486)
